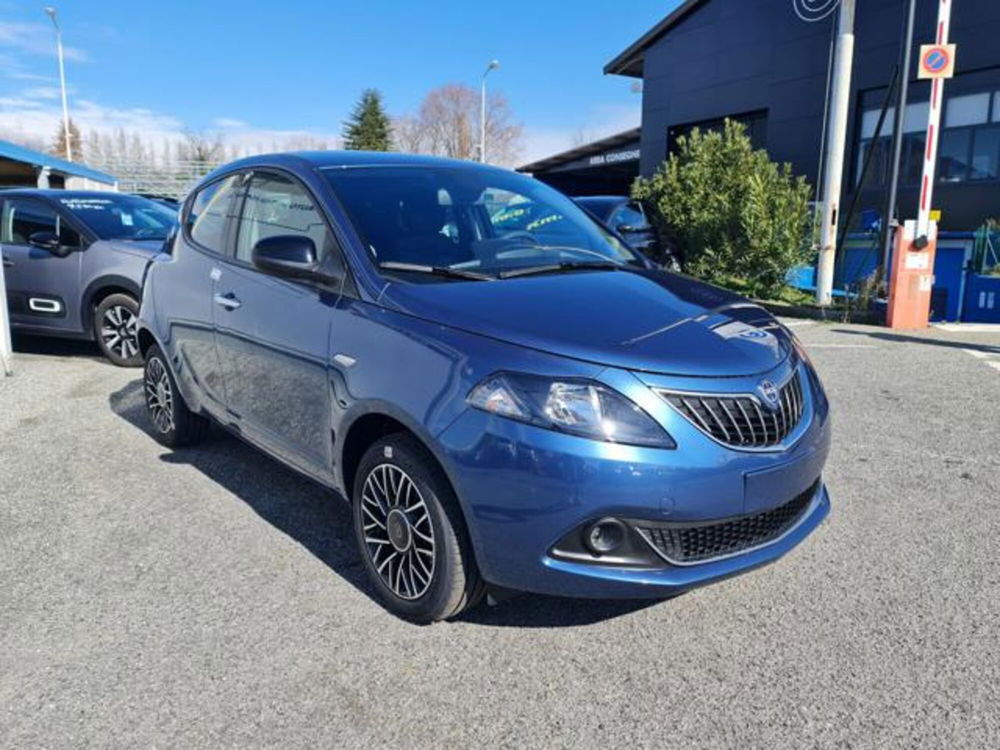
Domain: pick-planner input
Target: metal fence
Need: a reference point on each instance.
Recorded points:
(173, 179)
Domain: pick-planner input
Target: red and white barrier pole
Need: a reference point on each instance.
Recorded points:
(912, 273)
(933, 125)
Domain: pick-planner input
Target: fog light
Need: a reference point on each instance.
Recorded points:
(605, 536)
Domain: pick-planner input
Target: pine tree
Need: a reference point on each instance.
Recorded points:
(59, 143)
(368, 128)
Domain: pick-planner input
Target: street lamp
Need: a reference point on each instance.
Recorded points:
(494, 64)
(50, 11)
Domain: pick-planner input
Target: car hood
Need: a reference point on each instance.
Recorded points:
(648, 321)
(140, 248)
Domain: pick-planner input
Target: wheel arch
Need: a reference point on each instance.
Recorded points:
(102, 287)
(377, 422)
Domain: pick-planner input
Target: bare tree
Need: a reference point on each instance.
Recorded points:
(408, 135)
(202, 148)
(447, 124)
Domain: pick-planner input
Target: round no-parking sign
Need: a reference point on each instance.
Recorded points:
(937, 61)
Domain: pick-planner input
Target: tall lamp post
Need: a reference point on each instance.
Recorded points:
(494, 64)
(50, 11)
(837, 135)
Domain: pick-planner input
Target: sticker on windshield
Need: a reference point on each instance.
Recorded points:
(127, 220)
(94, 204)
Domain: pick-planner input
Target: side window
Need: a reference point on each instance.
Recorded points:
(275, 205)
(23, 217)
(209, 211)
(629, 215)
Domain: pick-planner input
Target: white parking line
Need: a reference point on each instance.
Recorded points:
(986, 357)
(976, 353)
(798, 323)
(841, 346)
(968, 327)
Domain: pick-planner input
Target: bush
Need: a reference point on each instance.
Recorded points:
(730, 210)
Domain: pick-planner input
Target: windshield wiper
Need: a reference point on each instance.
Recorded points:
(451, 273)
(566, 265)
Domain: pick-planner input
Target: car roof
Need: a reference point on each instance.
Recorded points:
(334, 159)
(602, 198)
(56, 193)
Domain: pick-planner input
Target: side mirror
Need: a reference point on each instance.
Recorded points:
(291, 255)
(48, 241)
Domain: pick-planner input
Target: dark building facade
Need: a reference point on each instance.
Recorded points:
(608, 166)
(756, 61)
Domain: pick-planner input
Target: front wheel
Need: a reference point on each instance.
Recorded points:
(411, 534)
(115, 328)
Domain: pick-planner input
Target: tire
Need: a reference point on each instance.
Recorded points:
(174, 425)
(115, 319)
(411, 534)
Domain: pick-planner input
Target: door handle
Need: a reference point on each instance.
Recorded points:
(227, 301)
(8, 263)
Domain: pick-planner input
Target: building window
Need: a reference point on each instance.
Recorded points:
(755, 122)
(968, 150)
(985, 162)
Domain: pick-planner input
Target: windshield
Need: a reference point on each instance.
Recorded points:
(469, 218)
(122, 217)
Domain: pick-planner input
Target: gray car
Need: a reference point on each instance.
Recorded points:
(74, 263)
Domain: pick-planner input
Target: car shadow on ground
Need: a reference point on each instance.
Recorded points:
(927, 340)
(57, 347)
(320, 521)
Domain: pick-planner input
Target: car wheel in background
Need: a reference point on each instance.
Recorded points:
(411, 534)
(115, 329)
(173, 423)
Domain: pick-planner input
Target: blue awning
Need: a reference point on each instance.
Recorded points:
(24, 155)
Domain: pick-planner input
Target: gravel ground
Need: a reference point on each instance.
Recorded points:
(211, 598)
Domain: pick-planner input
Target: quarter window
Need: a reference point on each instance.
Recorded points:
(630, 216)
(209, 211)
(276, 205)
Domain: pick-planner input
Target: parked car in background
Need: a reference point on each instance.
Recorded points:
(74, 263)
(499, 406)
(627, 217)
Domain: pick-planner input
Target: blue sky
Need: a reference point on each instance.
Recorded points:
(247, 67)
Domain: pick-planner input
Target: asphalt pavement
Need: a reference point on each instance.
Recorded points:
(210, 598)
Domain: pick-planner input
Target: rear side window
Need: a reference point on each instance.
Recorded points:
(209, 211)
(23, 217)
(276, 205)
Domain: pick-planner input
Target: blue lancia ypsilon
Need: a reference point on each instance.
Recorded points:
(507, 394)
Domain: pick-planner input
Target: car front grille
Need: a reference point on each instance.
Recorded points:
(741, 420)
(686, 544)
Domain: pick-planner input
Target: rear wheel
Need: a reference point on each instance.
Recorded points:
(411, 534)
(115, 321)
(174, 424)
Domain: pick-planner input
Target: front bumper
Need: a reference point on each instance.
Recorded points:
(524, 488)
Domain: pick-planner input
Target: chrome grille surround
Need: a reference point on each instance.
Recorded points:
(742, 420)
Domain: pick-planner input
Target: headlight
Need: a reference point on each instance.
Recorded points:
(579, 407)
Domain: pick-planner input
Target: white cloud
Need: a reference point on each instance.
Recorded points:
(35, 39)
(228, 123)
(541, 142)
(41, 92)
(17, 102)
(19, 75)
(28, 120)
